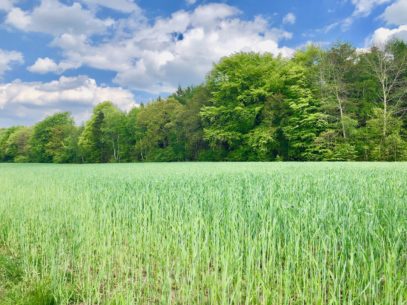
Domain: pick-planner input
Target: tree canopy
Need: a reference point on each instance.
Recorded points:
(335, 104)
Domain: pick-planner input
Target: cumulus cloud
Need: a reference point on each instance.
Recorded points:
(47, 65)
(6, 5)
(289, 18)
(7, 58)
(43, 65)
(396, 13)
(382, 35)
(180, 49)
(55, 18)
(32, 101)
(150, 56)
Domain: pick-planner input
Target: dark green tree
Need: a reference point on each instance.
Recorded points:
(158, 136)
(51, 139)
(104, 136)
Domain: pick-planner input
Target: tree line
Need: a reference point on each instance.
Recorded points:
(335, 104)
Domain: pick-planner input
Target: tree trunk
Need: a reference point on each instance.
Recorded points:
(384, 113)
(340, 106)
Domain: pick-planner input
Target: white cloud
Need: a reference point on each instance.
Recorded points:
(396, 13)
(55, 18)
(32, 101)
(153, 57)
(43, 65)
(47, 65)
(6, 5)
(125, 6)
(190, 2)
(7, 58)
(289, 18)
(365, 7)
(382, 35)
(18, 18)
(181, 49)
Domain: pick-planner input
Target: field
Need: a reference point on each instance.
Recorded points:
(203, 233)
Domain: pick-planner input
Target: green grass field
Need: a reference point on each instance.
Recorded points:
(207, 233)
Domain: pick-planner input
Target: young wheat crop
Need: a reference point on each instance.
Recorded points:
(207, 233)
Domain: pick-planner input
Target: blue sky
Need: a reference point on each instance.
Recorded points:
(69, 55)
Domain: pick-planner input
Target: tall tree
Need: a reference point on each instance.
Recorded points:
(387, 67)
(190, 123)
(103, 138)
(239, 86)
(304, 120)
(128, 150)
(4, 136)
(17, 146)
(14, 144)
(50, 138)
(336, 67)
(158, 136)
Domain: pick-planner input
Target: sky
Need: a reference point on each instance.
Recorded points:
(69, 55)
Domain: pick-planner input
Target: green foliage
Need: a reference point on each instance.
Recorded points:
(51, 139)
(104, 136)
(17, 145)
(261, 141)
(240, 87)
(336, 104)
(14, 144)
(305, 121)
(331, 147)
(157, 132)
(388, 147)
(192, 126)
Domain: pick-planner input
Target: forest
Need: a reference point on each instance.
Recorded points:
(336, 104)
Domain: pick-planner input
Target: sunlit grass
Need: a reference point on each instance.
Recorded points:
(208, 233)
